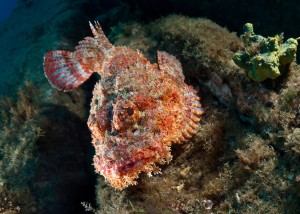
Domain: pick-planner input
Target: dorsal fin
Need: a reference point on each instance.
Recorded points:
(170, 64)
(99, 35)
(67, 70)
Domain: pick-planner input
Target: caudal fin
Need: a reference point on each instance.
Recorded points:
(67, 70)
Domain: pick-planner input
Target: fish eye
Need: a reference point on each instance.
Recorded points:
(130, 111)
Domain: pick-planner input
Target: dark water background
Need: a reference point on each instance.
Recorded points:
(6, 6)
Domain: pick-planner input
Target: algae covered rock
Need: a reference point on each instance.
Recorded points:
(265, 58)
(242, 153)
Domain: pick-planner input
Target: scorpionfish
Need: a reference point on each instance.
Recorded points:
(138, 108)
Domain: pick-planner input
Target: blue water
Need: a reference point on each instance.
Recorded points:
(6, 7)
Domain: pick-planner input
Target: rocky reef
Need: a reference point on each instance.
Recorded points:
(237, 162)
(244, 157)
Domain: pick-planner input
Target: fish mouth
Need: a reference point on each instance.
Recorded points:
(142, 161)
(133, 165)
(121, 174)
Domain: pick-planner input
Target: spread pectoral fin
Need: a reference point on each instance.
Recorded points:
(64, 71)
(67, 70)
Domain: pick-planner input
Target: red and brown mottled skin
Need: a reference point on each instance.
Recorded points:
(138, 109)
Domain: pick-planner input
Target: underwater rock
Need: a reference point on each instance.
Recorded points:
(18, 151)
(237, 158)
